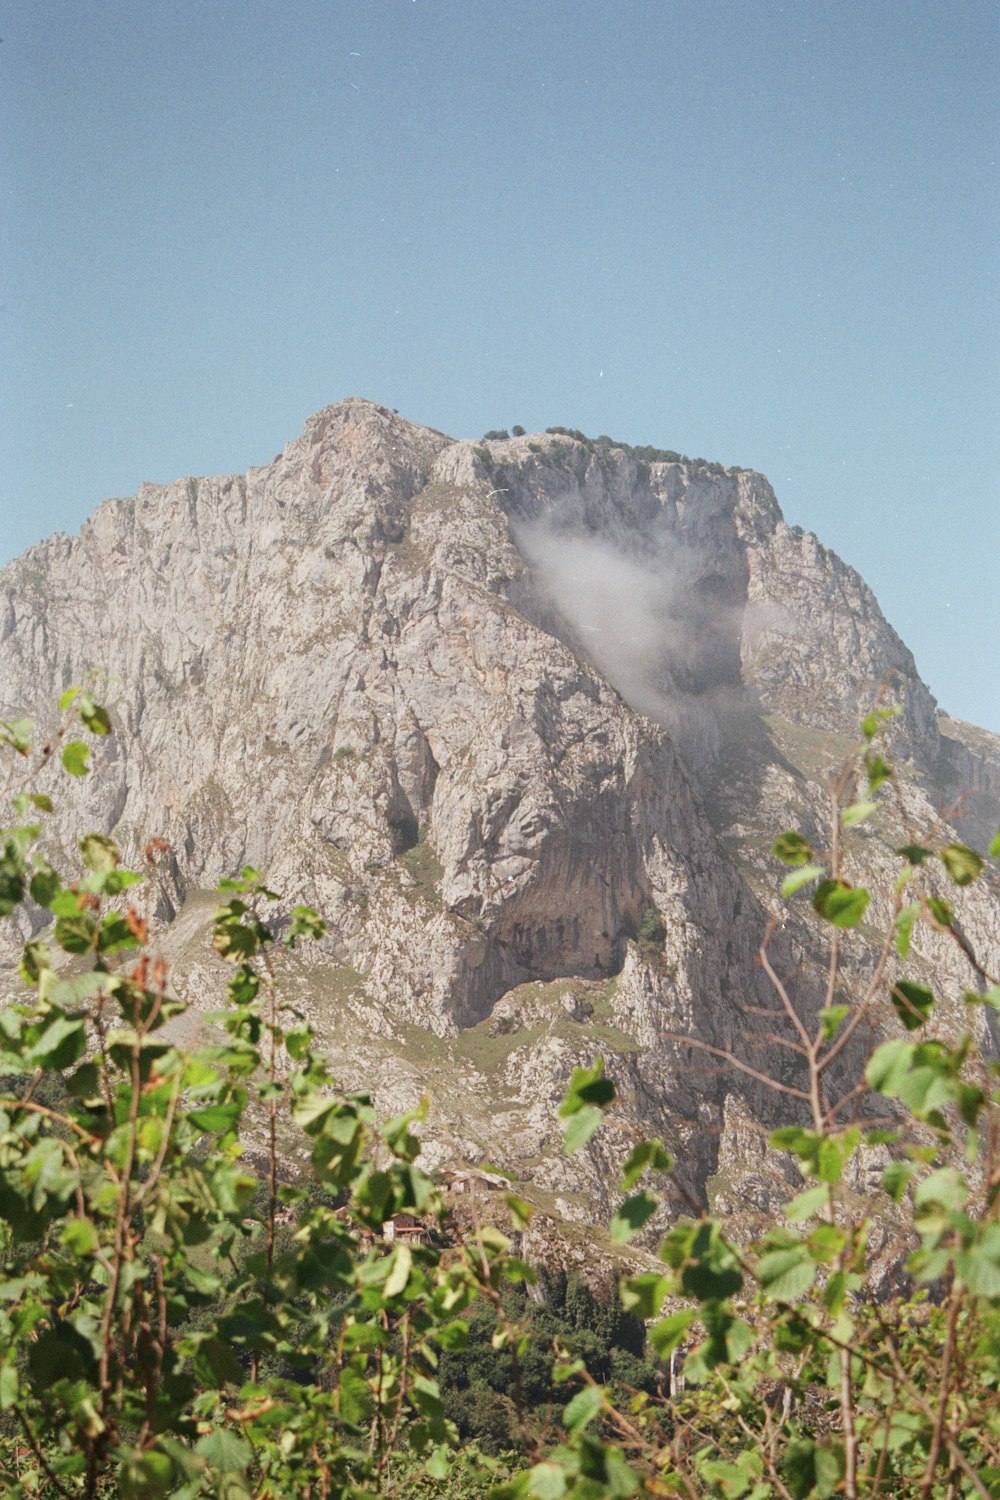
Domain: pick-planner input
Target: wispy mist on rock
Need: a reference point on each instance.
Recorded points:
(644, 619)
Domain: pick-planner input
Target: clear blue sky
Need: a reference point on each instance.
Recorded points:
(764, 233)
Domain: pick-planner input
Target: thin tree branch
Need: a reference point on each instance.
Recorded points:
(735, 1062)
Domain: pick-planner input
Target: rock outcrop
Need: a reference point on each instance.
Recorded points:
(491, 708)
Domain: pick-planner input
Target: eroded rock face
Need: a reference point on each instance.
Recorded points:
(481, 705)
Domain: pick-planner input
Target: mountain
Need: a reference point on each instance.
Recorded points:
(522, 719)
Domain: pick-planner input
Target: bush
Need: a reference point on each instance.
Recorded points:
(652, 928)
(172, 1323)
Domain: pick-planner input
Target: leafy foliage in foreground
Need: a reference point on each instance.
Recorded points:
(169, 1325)
(143, 1307)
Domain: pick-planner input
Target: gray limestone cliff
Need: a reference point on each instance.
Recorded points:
(487, 706)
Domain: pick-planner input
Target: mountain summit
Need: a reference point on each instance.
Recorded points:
(521, 718)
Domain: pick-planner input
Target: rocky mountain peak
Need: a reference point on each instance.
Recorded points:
(520, 717)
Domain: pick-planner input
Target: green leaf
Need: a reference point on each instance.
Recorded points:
(710, 1271)
(823, 1156)
(214, 1361)
(44, 884)
(78, 988)
(963, 864)
(979, 1264)
(812, 1472)
(544, 1481)
(224, 1451)
(216, 1118)
(587, 1086)
(62, 1352)
(17, 734)
(115, 933)
(520, 1210)
(792, 849)
(580, 1128)
(93, 715)
(646, 1156)
(305, 923)
(728, 1340)
(437, 1465)
(831, 1018)
(888, 1067)
(400, 1138)
(904, 928)
(634, 1213)
(425, 1395)
(583, 1408)
(942, 1189)
(793, 1138)
(146, 1475)
(857, 812)
(399, 1272)
(9, 1392)
(519, 1270)
(76, 758)
(620, 1481)
(36, 958)
(61, 1043)
(801, 877)
(836, 1290)
(896, 1178)
(918, 1073)
(914, 854)
(79, 1237)
(841, 904)
(644, 1294)
(877, 769)
(913, 1003)
(85, 1083)
(453, 1336)
(12, 883)
(100, 853)
(231, 939)
(669, 1331)
(807, 1203)
(298, 1041)
(76, 934)
(311, 1112)
(728, 1479)
(826, 1242)
(66, 904)
(786, 1275)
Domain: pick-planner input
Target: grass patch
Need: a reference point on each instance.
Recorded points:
(811, 751)
(599, 1036)
(436, 498)
(488, 1051)
(425, 869)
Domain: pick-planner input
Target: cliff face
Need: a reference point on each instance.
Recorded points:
(486, 706)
